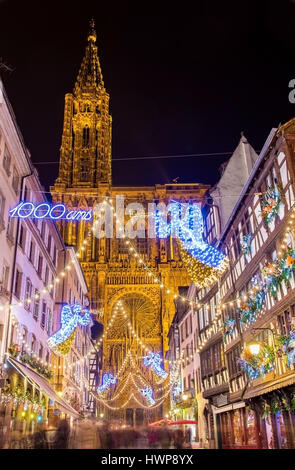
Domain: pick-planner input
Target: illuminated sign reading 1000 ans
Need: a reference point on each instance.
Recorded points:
(26, 210)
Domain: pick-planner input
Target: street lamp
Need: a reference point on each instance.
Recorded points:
(254, 348)
(184, 396)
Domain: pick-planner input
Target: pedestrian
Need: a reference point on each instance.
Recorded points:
(61, 437)
(188, 437)
(86, 435)
(152, 438)
(178, 439)
(164, 437)
(40, 440)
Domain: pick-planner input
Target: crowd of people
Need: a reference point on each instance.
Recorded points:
(94, 434)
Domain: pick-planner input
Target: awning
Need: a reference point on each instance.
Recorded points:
(270, 386)
(183, 421)
(43, 386)
(160, 422)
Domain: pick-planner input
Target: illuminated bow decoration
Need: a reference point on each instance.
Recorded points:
(71, 316)
(148, 394)
(107, 380)
(154, 360)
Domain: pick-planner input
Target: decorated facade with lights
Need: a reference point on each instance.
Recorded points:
(33, 284)
(245, 321)
(143, 273)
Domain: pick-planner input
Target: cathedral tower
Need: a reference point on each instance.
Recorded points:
(85, 154)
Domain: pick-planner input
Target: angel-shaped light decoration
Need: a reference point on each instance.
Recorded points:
(71, 316)
(203, 262)
(154, 360)
(107, 380)
(148, 394)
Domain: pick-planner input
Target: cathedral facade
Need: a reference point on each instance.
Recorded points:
(113, 274)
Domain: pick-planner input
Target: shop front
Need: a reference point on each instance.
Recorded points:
(28, 403)
(237, 427)
(275, 414)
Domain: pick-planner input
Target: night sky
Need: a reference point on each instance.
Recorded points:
(181, 79)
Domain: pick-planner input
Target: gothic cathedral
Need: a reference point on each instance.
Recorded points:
(111, 272)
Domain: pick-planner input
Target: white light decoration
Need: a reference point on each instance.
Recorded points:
(148, 394)
(71, 316)
(107, 380)
(154, 360)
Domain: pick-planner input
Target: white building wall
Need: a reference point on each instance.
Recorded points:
(14, 164)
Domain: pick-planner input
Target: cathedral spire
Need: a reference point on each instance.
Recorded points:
(90, 75)
(85, 153)
(92, 33)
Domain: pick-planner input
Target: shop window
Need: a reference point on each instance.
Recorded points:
(237, 427)
(251, 427)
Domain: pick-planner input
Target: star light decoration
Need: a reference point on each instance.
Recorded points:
(203, 262)
(154, 360)
(107, 380)
(71, 316)
(148, 394)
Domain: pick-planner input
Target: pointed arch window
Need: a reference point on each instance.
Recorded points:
(85, 142)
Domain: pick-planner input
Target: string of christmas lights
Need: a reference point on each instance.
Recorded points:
(290, 225)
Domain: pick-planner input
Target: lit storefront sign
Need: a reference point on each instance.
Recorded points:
(26, 210)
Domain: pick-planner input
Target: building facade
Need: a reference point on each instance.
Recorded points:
(246, 322)
(73, 378)
(115, 272)
(33, 256)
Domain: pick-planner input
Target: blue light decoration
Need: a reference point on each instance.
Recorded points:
(71, 316)
(25, 210)
(287, 346)
(204, 263)
(228, 327)
(148, 394)
(107, 380)
(245, 243)
(154, 360)
(176, 389)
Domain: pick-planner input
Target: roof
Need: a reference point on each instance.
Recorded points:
(249, 181)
